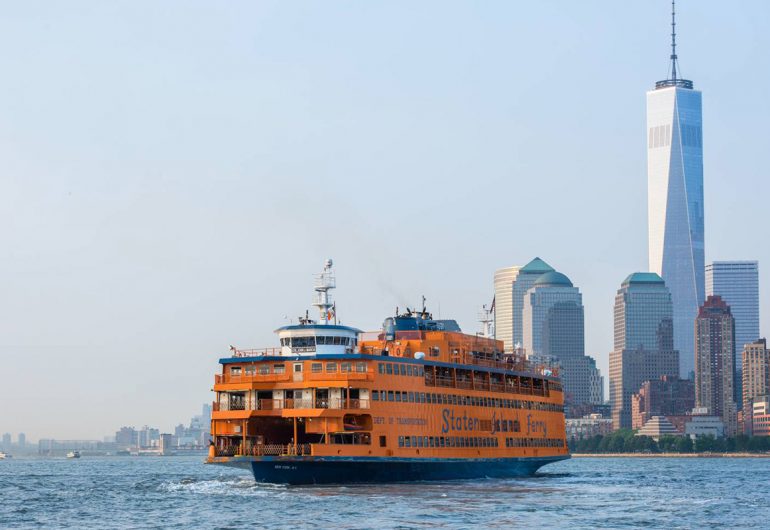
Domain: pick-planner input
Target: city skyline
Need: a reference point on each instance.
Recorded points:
(141, 176)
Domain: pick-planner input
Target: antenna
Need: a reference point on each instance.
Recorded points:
(673, 40)
(674, 77)
(323, 300)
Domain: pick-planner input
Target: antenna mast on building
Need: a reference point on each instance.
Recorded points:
(673, 40)
(323, 299)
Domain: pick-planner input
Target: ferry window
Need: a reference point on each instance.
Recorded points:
(316, 367)
(383, 396)
(389, 369)
(375, 395)
(381, 368)
(408, 369)
(250, 370)
(411, 397)
(337, 340)
(383, 441)
(434, 351)
(345, 367)
(390, 395)
(407, 441)
(398, 396)
(298, 367)
(414, 441)
(401, 441)
(264, 369)
(360, 367)
(422, 397)
(279, 369)
(403, 369)
(235, 370)
(331, 368)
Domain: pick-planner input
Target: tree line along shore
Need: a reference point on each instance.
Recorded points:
(625, 442)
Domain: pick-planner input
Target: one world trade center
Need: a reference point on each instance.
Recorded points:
(675, 199)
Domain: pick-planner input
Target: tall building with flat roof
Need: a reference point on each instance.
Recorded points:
(756, 378)
(737, 283)
(504, 280)
(714, 369)
(675, 199)
(644, 341)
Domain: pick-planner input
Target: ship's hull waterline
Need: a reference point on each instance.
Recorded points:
(344, 470)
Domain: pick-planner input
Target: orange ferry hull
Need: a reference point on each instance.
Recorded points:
(340, 470)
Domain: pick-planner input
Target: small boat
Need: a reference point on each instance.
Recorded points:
(3, 455)
(73, 454)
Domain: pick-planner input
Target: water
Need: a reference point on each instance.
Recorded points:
(181, 492)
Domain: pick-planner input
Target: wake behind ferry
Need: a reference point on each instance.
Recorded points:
(418, 400)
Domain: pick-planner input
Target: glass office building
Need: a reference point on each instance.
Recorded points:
(644, 341)
(675, 200)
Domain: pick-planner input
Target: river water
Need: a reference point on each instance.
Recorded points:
(181, 492)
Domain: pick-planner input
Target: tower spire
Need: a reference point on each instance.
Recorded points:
(674, 77)
(673, 40)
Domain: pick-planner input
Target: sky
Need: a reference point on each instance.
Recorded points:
(173, 173)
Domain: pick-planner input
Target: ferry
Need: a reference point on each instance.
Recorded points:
(417, 400)
(73, 454)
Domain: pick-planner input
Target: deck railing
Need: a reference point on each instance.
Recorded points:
(264, 450)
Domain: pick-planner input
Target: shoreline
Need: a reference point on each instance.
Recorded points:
(670, 455)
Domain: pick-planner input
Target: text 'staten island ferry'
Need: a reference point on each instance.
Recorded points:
(419, 400)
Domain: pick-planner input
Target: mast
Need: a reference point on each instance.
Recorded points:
(673, 41)
(324, 282)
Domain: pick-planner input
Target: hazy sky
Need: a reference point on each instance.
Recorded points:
(172, 174)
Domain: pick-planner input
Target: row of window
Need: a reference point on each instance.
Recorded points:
(534, 442)
(266, 369)
(310, 342)
(446, 441)
(263, 369)
(431, 398)
(359, 367)
(400, 369)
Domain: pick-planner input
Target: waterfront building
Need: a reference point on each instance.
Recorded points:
(126, 437)
(643, 341)
(503, 306)
(701, 423)
(658, 426)
(6, 441)
(675, 199)
(756, 378)
(761, 417)
(22, 438)
(715, 351)
(737, 282)
(588, 426)
(667, 396)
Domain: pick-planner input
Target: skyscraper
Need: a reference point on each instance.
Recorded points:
(737, 283)
(504, 280)
(553, 331)
(756, 378)
(527, 277)
(715, 353)
(511, 283)
(538, 316)
(675, 198)
(644, 341)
